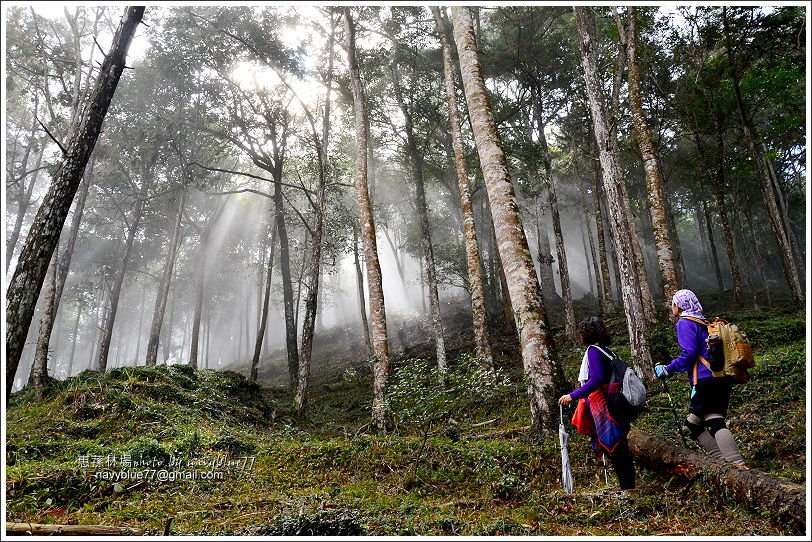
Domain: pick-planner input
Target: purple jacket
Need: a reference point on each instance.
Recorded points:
(691, 338)
(599, 373)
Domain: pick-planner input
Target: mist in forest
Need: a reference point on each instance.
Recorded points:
(204, 115)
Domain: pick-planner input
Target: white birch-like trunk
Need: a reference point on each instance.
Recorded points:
(538, 356)
(613, 186)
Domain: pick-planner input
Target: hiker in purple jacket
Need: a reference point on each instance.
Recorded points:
(594, 375)
(709, 395)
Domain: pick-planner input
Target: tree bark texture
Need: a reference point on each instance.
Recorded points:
(56, 286)
(163, 290)
(314, 258)
(416, 170)
(43, 237)
(482, 343)
(613, 184)
(781, 499)
(654, 181)
(381, 416)
(538, 355)
(291, 339)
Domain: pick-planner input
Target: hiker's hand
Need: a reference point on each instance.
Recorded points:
(564, 400)
(661, 372)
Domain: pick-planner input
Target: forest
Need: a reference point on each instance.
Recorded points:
(343, 257)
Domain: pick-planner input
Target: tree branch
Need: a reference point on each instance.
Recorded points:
(62, 148)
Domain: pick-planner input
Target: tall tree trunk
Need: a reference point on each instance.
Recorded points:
(359, 281)
(266, 302)
(749, 264)
(25, 194)
(291, 340)
(98, 313)
(549, 183)
(593, 290)
(482, 343)
(545, 260)
(107, 330)
(43, 237)
(783, 208)
(416, 170)
(38, 375)
(208, 337)
(613, 184)
(701, 233)
(163, 290)
(759, 260)
(75, 337)
(606, 301)
(246, 319)
(594, 257)
(381, 416)
(645, 289)
(509, 316)
(676, 244)
(721, 207)
(654, 181)
(538, 355)
(194, 341)
(782, 241)
(314, 271)
(56, 285)
(140, 325)
(714, 255)
(395, 255)
(563, 270)
(167, 332)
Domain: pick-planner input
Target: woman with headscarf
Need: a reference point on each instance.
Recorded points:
(709, 395)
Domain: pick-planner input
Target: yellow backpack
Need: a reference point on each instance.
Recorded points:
(729, 350)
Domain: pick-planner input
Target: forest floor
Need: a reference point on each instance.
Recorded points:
(478, 471)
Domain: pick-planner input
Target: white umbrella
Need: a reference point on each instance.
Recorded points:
(563, 439)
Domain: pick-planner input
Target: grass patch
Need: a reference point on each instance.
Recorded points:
(327, 474)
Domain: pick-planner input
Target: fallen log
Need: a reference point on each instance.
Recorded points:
(45, 529)
(784, 500)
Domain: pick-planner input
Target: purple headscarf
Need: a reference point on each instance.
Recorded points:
(687, 301)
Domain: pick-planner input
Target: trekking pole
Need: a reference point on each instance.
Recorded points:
(674, 412)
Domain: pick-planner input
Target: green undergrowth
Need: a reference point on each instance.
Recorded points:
(469, 468)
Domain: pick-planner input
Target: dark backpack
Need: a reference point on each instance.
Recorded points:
(626, 393)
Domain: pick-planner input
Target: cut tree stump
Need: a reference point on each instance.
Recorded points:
(784, 500)
(44, 529)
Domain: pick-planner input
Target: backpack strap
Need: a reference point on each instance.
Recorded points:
(604, 352)
(695, 319)
(701, 359)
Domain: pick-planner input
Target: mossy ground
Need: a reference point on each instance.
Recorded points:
(328, 474)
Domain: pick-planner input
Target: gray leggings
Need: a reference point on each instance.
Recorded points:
(711, 432)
